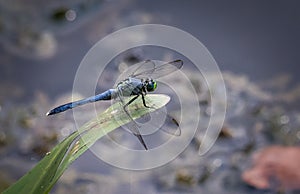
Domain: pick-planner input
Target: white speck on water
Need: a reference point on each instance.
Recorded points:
(71, 15)
(284, 119)
(46, 45)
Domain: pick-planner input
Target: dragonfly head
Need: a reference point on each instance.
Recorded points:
(151, 85)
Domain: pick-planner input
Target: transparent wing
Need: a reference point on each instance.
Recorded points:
(158, 70)
(132, 126)
(144, 66)
(149, 68)
(170, 125)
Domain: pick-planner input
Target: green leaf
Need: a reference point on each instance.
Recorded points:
(45, 174)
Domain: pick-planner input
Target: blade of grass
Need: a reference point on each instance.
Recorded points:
(45, 174)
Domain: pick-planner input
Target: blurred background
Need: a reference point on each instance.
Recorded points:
(255, 43)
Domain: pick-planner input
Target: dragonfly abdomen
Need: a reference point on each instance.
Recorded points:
(107, 95)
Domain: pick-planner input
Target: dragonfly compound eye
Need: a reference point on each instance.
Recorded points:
(151, 86)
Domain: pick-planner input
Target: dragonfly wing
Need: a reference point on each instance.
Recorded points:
(147, 66)
(170, 125)
(160, 70)
(134, 128)
(144, 68)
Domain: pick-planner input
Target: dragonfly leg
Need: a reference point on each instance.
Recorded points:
(131, 101)
(135, 128)
(144, 102)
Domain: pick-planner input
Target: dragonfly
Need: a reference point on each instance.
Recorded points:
(138, 80)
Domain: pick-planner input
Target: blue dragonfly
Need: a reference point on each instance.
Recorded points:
(138, 81)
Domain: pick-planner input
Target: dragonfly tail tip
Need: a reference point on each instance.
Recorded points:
(49, 113)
